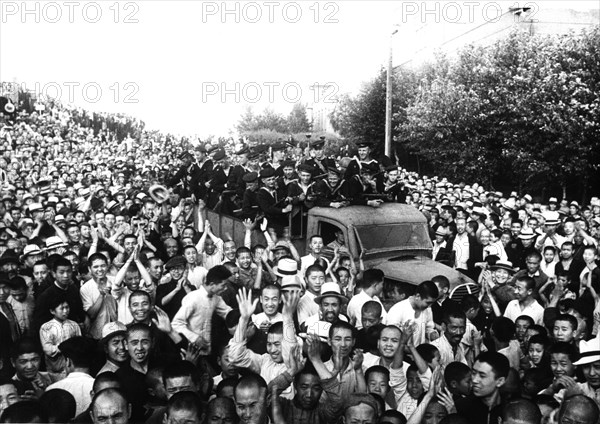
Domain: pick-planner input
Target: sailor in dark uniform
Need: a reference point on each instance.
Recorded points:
(391, 187)
(299, 192)
(235, 181)
(249, 202)
(328, 192)
(364, 159)
(361, 189)
(205, 166)
(273, 208)
(186, 174)
(217, 185)
(278, 150)
(289, 175)
(319, 161)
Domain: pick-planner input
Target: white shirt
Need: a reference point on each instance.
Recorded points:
(447, 354)
(534, 310)
(308, 260)
(307, 307)
(79, 384)
(258, 319)
(194, 318)
(461, 247)
(197, 276)
(355, 305)
(548, 268)
(403, 312)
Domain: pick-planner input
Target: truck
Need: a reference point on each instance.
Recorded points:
(393, 237)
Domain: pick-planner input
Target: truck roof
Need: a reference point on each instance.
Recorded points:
(387, 213)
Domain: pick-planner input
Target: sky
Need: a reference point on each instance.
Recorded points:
(191, 67)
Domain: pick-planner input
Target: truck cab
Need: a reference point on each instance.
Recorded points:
(393, 237)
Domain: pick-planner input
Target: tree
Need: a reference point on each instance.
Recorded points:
(297, 122)
(363, 117)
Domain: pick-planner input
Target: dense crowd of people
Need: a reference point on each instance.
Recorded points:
(119, 302)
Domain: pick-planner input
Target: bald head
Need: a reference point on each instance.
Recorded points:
(521, 411)
(110, 405)
(578, 409)
(221, 408)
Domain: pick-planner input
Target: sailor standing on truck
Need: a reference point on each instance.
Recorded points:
(269, 203)
(361, 189)
(187, 173)
(364, 159)
(327, 192)
(319, 162)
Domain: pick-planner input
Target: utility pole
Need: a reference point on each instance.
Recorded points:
(388, 103)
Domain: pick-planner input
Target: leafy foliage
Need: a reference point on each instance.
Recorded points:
(525, 109)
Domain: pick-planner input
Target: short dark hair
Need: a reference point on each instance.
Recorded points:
(308, 369)
(342, 325)
(314, 268)
(141, 293)
(469, 302)
(371, 306)
(504, 329)
(105, 377)
(377, 369)
(498, 362)
(180, 369)
(79, 349)
(427, 351)
(372, 277)
(217, 274)
(525, 318)
(56, 298)
(227, 382)
(455, 371)
(25, 345)
(453, 312)
(427, 290)
(569, 318)
(97, 257)
(442, 281)
(392, 413)
(25, 411)
(251, 380)
(185, 400)
(139, 326)
(60, 262)
(276, 328)
(539, 339)
(565, 348)
(529, 282)
(521, 410)
(58, 405)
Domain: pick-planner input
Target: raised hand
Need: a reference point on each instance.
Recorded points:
(408, 329)
(248, 224)
(445, 398)
(357, 360)
(276, 411)
(192, 353)
(246, 305)
(290, 302)
(162, 321)
(263, 225)
(295, 362)
(313, 345)
(477, 337)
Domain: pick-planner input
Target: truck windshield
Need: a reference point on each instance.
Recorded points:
(401, 236)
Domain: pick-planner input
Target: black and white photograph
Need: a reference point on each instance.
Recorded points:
(300, 212)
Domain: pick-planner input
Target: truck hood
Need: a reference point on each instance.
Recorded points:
(415, 270)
